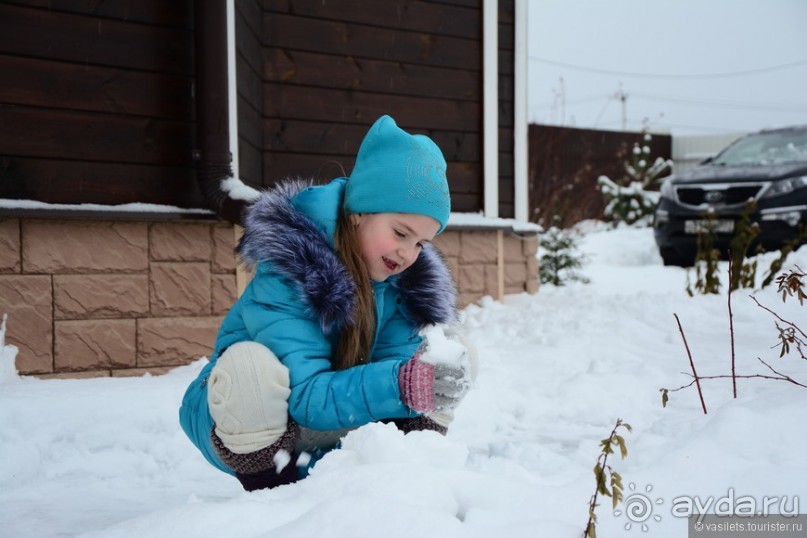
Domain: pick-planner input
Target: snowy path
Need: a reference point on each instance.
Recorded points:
(106, 457)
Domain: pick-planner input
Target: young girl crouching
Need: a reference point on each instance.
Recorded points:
(325, 338)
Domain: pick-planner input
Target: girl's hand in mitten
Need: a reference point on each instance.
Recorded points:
(427, 387)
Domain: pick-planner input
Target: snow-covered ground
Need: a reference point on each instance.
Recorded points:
(106, 457)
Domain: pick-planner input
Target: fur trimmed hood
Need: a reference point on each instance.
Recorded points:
(298, 245)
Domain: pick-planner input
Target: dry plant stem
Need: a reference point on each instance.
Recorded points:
(691, 364)
(600, 482)
(779, 377)
(789, 323)
(731, 332)
(777, 316)
(782, 376)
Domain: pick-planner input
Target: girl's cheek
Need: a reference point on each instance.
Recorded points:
(387, 244)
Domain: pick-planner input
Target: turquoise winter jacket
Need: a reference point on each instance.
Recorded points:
(300, 298)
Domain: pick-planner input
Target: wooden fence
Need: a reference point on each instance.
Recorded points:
(566, 162)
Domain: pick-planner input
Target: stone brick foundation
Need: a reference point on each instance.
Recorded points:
(98, 298)
(113, 297)
(490, 262)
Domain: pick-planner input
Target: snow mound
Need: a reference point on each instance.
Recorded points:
(106, 457)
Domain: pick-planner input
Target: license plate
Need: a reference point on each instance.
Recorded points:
(721, 226)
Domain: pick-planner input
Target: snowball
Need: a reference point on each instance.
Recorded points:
(442, 348)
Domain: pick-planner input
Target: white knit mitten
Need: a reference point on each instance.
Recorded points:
(248, 396)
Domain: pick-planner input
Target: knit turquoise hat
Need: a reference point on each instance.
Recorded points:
(397, 172)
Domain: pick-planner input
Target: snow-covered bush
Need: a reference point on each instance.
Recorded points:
(628, 199)
(559, 256)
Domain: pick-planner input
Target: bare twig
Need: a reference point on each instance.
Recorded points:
(777, 316)
(731, 333)
(779, 377)
(691, 363)
(782, 376)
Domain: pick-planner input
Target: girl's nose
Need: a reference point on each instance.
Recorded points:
(404, 253)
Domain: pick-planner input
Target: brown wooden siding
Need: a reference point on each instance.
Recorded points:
(330, 69)
(97, 98)
(506, 30)
(96, 101)
(249, 68)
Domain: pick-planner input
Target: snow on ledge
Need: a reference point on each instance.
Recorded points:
(479, 221)
(242, 191)
(121, 208)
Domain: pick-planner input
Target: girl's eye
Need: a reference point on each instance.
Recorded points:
(400, 234)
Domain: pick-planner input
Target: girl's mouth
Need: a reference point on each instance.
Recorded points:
(391, 265)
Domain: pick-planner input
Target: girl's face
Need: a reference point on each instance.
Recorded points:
(391, 242)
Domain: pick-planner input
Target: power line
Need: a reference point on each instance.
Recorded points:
(781, 107)
(722, 104)
(672, 76)
(703, 128)
(582, 100)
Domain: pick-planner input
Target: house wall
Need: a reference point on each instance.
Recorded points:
(313, 75)
(96, 102)
(99, 298)
(97, 97)
(97, 106)
(506, 93)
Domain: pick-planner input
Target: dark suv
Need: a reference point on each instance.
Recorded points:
(769, 167)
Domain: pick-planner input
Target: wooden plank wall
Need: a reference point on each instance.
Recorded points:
(249, 75)
(96, 101)
(506, 108)
(314, 75)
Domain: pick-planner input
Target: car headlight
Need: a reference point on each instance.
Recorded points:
(667, 190)
(785, 186)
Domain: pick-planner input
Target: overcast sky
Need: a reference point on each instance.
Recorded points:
(688, 66)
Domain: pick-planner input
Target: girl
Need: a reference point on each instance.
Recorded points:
(326, 336)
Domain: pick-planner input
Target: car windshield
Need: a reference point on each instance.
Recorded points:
(766, 148)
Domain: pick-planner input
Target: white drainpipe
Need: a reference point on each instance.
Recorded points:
(232, 89)
(490, 124)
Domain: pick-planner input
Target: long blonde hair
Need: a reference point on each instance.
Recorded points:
(356, 339)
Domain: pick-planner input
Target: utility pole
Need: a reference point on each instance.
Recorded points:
(559, 102)
(623, 99)
(562, 102)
